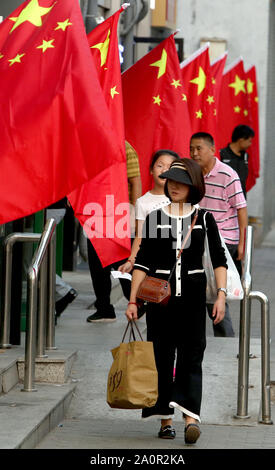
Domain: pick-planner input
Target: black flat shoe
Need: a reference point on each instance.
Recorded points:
(191, 433)
(167, 432)
(63, 303)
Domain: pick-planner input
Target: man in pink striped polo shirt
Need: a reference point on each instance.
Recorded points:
(224, 198)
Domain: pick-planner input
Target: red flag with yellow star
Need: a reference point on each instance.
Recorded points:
(109, 189)
(197, 78)
(233, 104)
(155, 108)
(253, 109)
(217, 68)
(55, 128)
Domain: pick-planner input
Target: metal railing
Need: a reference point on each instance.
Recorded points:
(39, 265)
(244, 341)
(9, 242)
(41, 278)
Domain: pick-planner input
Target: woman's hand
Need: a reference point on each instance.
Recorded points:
(131, 312)
(219, 308)
(126, 267)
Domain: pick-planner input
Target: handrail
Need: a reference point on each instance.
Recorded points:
(244, 340)
(50, 332)
(9, 241)
(30, 342)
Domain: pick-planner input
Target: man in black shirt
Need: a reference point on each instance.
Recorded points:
(235, 154)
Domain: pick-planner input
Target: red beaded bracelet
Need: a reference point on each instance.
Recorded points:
(132, 262)
(133, 303)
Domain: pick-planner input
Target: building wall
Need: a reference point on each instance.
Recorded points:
(247, 26)
(7, 6)
(269, 169)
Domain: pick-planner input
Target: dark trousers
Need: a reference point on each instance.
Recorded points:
(102, 284)
(225, 327)
(177, 329)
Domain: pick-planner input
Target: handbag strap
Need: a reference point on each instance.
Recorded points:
(132, 333)
(183, 244)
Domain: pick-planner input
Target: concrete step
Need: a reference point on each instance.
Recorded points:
(8, 369)
(27, 417)
(54, 368)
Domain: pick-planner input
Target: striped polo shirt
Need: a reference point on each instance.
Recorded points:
(223, 197)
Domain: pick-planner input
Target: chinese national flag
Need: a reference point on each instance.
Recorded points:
(100, 203)
(197, 78)
(233, 103)
(55, 128)
(217, 68)
(155, 108)
(253, 108)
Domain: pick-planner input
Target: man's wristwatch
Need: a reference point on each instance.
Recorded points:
(223, 289)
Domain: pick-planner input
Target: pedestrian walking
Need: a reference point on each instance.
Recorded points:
(101, 277)
(179, 327)
(224, 198)
(235, 154)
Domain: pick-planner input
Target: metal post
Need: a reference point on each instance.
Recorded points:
(9, 241)
(244, 333)
(244, 341)
(30, 332)
(42, 303)
(265, 355)
(91, 15)
(30, 343)
(50, 333)
(128, 56)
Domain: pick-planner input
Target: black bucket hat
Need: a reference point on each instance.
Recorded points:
(177, 172)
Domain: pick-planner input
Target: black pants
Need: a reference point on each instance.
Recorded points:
(178, 329)
(225, 327)
(102, 284)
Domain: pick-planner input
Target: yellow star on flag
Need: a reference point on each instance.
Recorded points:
(238, 85)
(33, 13)
(157, 100)
(213, 80)
(46, 45)
(215, 112)
(161, 64)
(249, 86)
(113, 92)
(16, 59)
(176, 83)
(103, 48)
(245, 112)
(63, 25)
(256, 99)
(237, 109)
(1, 55)
(199, 114)
(184, 97)
(210, 99)
(200, 80)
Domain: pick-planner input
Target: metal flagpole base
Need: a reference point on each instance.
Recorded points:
(29, 390)
(242, 417)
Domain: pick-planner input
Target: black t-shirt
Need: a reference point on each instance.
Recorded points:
(239, 163)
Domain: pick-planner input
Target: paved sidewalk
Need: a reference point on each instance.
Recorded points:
(91, 424)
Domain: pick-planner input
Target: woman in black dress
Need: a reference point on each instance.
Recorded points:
(178, 329)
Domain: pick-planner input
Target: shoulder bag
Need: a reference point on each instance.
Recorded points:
(234, 285)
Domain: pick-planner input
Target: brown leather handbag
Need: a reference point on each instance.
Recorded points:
(158, 291)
